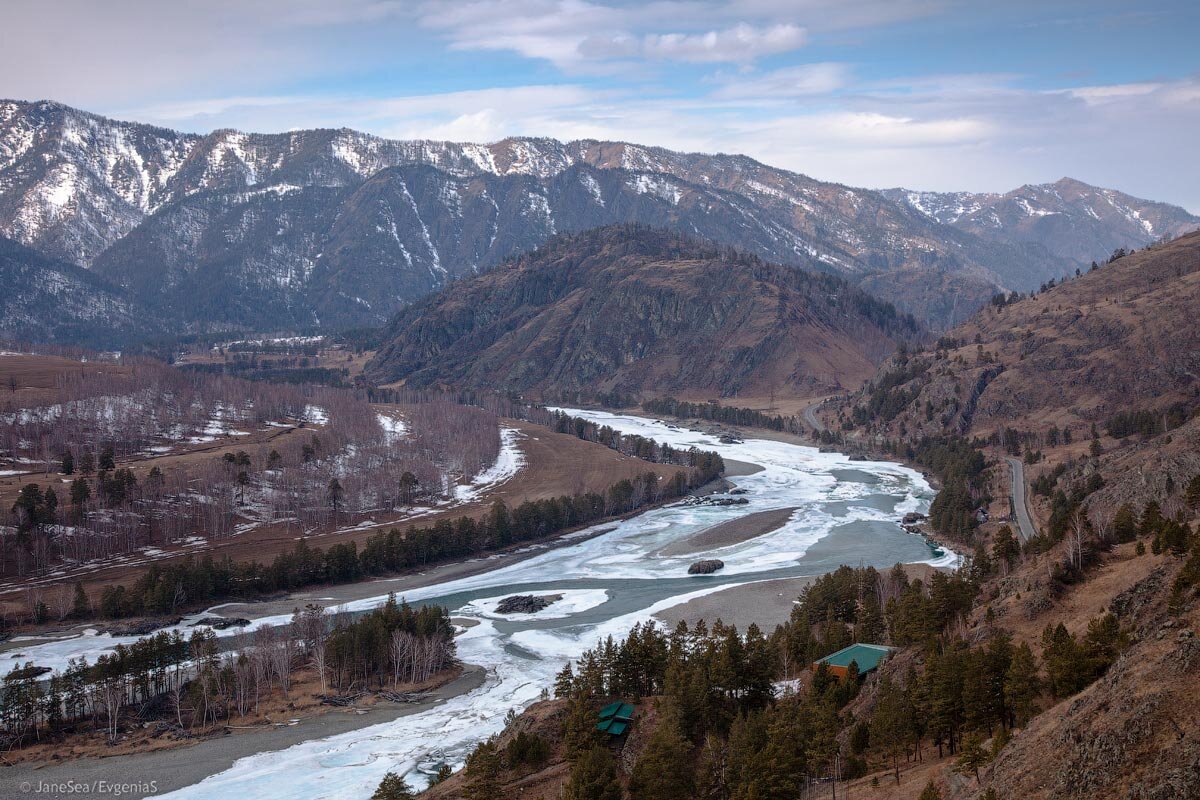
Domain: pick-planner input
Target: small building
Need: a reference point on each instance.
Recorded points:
(868, 657)
(615, 718)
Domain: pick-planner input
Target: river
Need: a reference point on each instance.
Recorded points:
(846, 512)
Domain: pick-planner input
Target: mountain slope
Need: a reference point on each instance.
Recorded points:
(48, 300)
(639, 310)
(1117, 348)
(1072, 220)
(410, 215)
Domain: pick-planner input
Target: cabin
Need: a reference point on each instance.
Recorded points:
(868, 657)
(615, 718)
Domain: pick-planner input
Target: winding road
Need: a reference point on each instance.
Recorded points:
(810, 415)
(1025, 527)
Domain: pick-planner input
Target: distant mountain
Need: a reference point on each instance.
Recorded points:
(53, 301)
(636, 310)
(336, 228)
(1072, 220)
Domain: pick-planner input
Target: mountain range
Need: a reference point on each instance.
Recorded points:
(335, 228)
(633, 310)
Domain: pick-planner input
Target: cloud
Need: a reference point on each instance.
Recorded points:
(741, 43)
(580, 35)
(786, 83)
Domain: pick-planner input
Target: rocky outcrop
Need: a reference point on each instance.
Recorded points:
(524, 604)
(222, 623)
(706, 566)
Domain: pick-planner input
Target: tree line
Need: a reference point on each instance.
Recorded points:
(168, 588)
(192, 682)
(730, 415)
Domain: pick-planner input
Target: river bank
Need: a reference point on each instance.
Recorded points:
(838, 511)
(168, 769)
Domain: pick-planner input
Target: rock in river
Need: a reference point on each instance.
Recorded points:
(523, 604)
(706, 566)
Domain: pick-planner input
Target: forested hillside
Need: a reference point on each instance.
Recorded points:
(633, 310)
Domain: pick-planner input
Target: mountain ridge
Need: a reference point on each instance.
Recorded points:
(631, 310)
(118, 197)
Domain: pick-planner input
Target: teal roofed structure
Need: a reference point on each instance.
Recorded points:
(867, 656)
(615, 718)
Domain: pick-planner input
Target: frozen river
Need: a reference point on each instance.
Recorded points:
(846, 512)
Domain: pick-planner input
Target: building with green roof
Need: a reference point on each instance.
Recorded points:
(615, 718)
(867, 657)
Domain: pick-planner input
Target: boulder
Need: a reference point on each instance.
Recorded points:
(221, 623)
(523, 604)
(706, 566)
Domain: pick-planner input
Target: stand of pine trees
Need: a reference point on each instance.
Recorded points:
(164, 589)
(192, 682)
(730, 415)
(724, 730)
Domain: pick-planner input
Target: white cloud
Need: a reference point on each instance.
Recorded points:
(785, 83)
(741, 43)
(1095, 95)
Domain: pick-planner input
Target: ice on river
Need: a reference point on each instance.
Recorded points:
(845, 512)
(570, 601)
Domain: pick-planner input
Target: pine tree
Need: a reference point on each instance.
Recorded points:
(891, 723)
(107, 459)
(971, 757)
(68, 463)
(1191, 495)
(393, 787)
(80, 608)
(483, 773)
(1022, 686)
(662, 772)
(579, 728)
(931, 792)
(593, 777)
(1005, 547)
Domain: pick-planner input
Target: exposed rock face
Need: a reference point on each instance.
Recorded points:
(523, 604)
(629, 309)
(706, 566)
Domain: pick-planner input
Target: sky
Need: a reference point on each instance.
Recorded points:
(926, 94)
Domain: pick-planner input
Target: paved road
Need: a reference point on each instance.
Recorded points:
(810, 415)
(1025, 527)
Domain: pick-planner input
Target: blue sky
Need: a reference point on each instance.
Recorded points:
(929, 94)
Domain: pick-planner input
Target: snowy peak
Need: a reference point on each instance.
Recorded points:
(1071, 219)
(340, 227)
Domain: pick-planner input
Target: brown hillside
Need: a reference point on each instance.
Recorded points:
(1120, 339)
(634, 310)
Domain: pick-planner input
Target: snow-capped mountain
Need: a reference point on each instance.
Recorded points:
(1071, 219)
(340, 228)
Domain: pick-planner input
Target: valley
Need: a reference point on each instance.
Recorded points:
(833, 521)
(599, 401)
